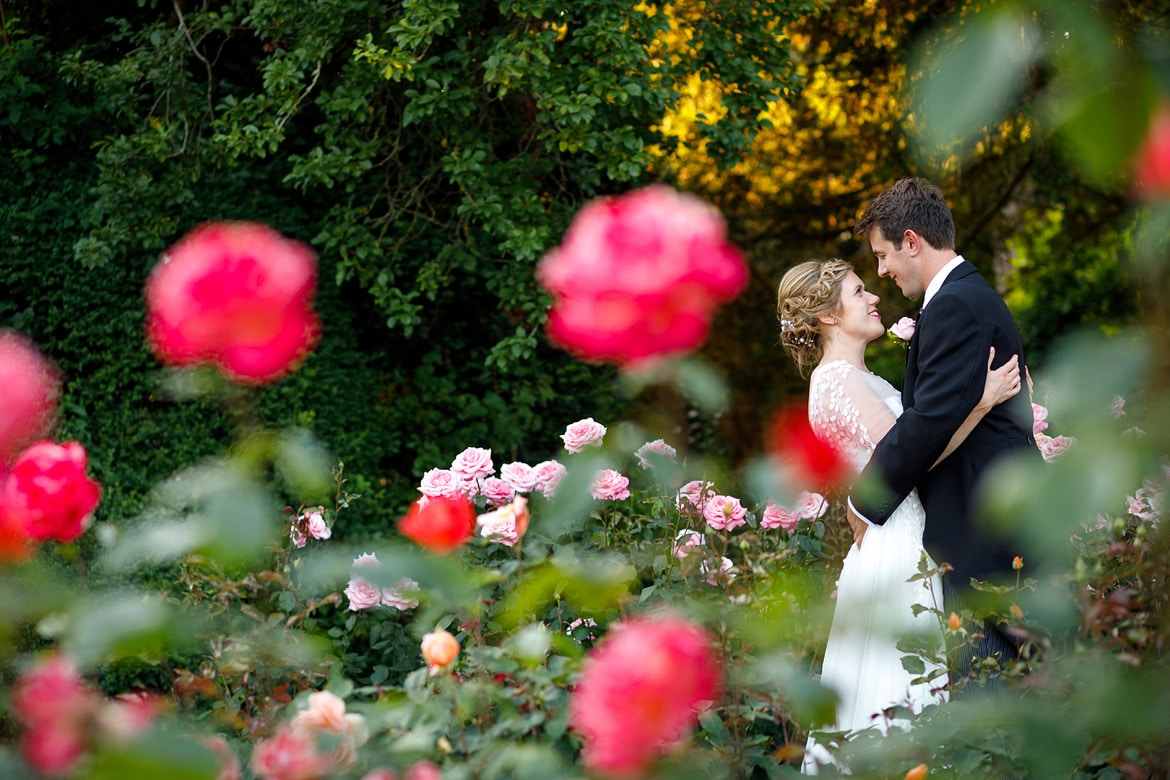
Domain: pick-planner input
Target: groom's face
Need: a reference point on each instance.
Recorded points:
(896, 263)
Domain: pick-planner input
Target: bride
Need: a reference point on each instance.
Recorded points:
(827, 317)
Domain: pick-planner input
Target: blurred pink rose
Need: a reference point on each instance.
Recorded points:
(298, 537)
(1117, 407)
(506, 525)
(1039, 418)
(126, 716)
(776, 516)
(442, 482)
(1152, 164)
(903, 329)
(724, 513)
(582, 434)
(473, 463)
(381, 773)
(639, 692)
(609, 485)
(229, 763)
(657, 447)
(639, 276)
(397, 596)
(48, 494)
(811, 505)
(685, 540)
(520, 476)
(290, 754)
(692, 497)
(1052, 447)
(54, 704)
(497, 491)
(423, 770)
(325, 715)
(549, 474)
(31, 388)
(235, 295)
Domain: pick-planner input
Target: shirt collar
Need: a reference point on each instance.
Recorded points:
(939, 278)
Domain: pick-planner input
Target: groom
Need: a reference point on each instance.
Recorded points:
(912, 235)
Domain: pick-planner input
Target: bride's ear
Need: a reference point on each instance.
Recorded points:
(828, 319)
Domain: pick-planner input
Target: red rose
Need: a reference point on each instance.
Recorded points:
(235, 295)
(1152, 165)
(808, 462)
(439, 524)
(47, 494)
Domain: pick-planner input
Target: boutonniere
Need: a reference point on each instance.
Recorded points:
(902, 331)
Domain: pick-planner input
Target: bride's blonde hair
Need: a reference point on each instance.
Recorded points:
(805, 293)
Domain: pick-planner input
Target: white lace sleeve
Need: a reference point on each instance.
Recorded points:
(846, 411)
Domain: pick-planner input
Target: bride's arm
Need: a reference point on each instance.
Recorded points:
(1002, 383)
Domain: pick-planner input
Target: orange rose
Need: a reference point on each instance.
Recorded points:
(439, 647)
(954, 622)
(918, 773)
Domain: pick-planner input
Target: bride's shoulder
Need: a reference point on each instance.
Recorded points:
(831, 368)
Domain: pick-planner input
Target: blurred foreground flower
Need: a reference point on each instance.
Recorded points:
(640, 691)
(806, 462)
(290, 754)
(440, 524)
(325, 716)
(237, 296)
(506, 525)
(1152, 166)
(48, 494)
(639, 276)
(30, 388)
(439, 647)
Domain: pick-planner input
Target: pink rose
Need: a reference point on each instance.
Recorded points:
(316, 526)
(31, 388)
(692, 497)
(397, 596)
(1052, 447)
(657, 447)
(1117, 407)
(126, 716)
(298, 537)
(639, 276)
(473, 463)
(903, 329)
(362, 593)
(685, 540)
(290, 754)
(724, 513)
(776, 516)
(811, 505)
(640, 692)
(520, 476)
(423, 770)
(47, 494)
(582, 434)
(549, 474)
(380, 773)
(1039, 418)
(54, 704)
(235, 295)
(609, 485)
(442, 482)
(506, 525)
(497, 491)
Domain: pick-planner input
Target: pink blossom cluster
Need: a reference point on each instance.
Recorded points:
(63, 717)
(640, 692)
(1051, 447)
(364, 594)
(309, 524)
(472, 472)
(809, 506)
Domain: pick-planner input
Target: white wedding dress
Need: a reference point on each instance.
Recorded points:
(853, 409)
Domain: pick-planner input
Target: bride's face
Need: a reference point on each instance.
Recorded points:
(858, 315)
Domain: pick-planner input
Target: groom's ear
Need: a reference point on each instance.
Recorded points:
(911, 241)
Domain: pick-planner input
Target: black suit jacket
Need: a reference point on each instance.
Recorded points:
(946, 369)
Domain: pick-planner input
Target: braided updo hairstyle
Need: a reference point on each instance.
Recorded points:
(806, 292)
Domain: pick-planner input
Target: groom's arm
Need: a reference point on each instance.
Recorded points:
(952, 368)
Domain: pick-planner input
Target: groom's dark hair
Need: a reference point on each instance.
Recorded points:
(910, 204)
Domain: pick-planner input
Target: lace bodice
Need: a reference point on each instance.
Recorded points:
(851, 409)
